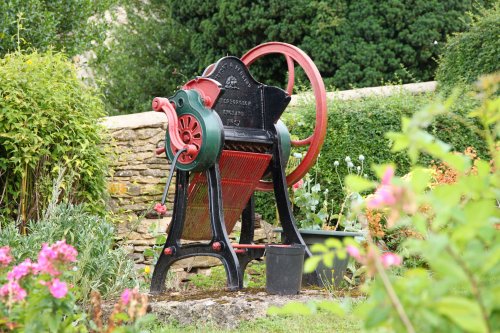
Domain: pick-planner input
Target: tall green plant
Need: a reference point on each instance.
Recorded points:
(49, 128)
(145, 58)
(61, 24)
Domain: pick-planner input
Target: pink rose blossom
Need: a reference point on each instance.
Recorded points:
(21, 270)
(14, 290)
(5, 257)
(126, 295)
(161, 209)
(57, 288)
(354, 252)
(298, 185)
(390, 259)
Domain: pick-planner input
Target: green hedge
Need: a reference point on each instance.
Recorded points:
(49, 136)
(357, 127)
(472, 53)
(353, 43)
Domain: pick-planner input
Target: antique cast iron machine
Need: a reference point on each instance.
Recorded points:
(225, 141)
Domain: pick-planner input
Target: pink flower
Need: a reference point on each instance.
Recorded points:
(354, 252)
(298, 185)
(21, 270)
(388, 175)
(161, 209)
(385, 194)
(5, 257)
(14, 290)
(50, 256)
(389, 259)
(126, 295)
(65, 252)
(57, 288)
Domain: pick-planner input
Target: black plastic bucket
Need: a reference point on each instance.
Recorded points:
(284, 265)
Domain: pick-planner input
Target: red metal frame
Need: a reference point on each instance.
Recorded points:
(315, 141)
(208, 89)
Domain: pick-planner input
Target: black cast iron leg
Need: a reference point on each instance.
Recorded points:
(219, 233)
(173, 240)
(248, 222)
(290, 231)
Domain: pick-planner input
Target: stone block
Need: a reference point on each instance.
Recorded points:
(124, 135)
(146, 133)
(154, 173)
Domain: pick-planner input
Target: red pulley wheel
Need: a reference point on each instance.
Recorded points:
(295, 55)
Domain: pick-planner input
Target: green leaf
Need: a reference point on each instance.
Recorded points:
(333, 243)
(420, 178)
(458, 162)
(463, 312)
(311, 264)
(318, 248)
(328, 259)
(359, 184)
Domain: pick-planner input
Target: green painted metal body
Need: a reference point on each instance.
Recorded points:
(188, 102)
(285, 141)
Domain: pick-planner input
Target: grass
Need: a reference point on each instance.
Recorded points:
(319, 322)
(255, 277)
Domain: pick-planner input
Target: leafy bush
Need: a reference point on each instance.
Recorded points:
(49, 128)
(457, 223)
(470, 54)
(101, 266)
(35, 296)
(357, 127)
(45, 23)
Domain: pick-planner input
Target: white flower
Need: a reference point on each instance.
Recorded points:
(336, 163)
(350, 165)
(297, 155)
(358, 168)
(435, 42)
(361, 158)
(347, 159)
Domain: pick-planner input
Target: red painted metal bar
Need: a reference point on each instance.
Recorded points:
(163, 105)
(256, 246)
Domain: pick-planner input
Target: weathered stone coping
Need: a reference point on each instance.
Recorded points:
(155, 119)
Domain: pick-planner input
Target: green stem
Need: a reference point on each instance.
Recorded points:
(393, 297)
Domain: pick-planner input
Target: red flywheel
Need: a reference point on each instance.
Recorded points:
(295, 55)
